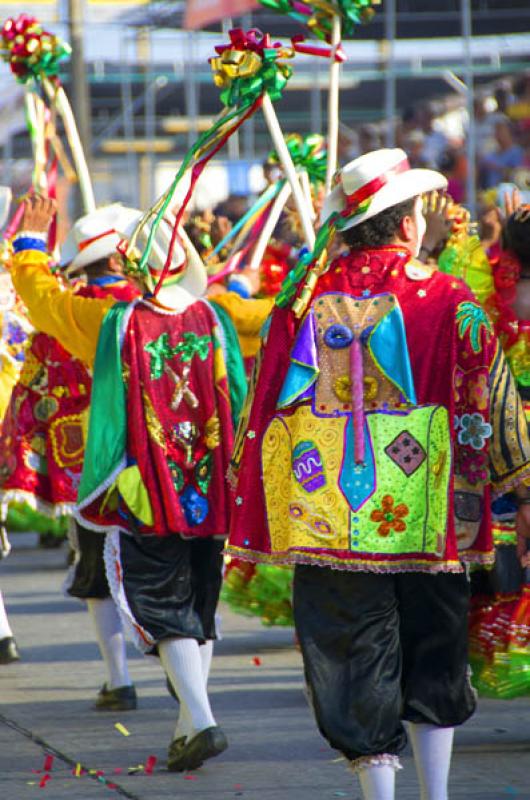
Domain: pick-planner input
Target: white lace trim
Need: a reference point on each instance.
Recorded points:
(50, 510)
(383, 760)
(114, 569)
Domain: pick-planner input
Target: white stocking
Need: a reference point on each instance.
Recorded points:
(181, 659)
(206, 653)
(432, 747)
(5, 628)
(377, 782)
(111, 640)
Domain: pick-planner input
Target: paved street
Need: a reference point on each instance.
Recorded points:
(275, 751)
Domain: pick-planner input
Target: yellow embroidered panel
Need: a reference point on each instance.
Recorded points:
(317, 498)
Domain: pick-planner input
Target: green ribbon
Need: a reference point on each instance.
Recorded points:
(107, 430)
(352, 13)
(308, 152)
(272, 78)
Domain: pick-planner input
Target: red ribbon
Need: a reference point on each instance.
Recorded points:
(356, 198)
(86, 242)
(195, 175)
(337, 53)
(253, 40)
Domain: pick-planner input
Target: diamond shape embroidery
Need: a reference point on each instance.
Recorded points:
(406, 452)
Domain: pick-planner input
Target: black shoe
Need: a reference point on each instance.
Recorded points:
(123, 698)
(8, 650)
(191, 755)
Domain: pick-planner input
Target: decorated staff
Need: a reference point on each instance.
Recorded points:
(34, 56)
(309, 156)
(329, 21)
(252, 73)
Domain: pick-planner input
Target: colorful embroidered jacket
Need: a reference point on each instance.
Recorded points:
(377, 425)
(15, 330)
(42, 440)
(161, 429)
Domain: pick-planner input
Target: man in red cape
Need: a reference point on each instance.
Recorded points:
(383, 413)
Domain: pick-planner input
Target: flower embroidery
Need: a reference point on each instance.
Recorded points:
(477, 392)
(390, 516)
(474, 431)
(472, 319)
(473, 467)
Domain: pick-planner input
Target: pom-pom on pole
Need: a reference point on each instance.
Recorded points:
(34, 56)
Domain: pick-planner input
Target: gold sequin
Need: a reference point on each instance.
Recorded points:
(212, 433)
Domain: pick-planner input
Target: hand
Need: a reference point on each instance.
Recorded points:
(438, 223)
(522, 528)
(511, 202)
(38, 214)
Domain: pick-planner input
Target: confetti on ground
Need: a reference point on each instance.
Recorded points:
(150, 765)
(78, 770)
(48, 763)
(190, 777)
(117, 770)
(340, 794)
(44, 780)
(133, 770)
(238, 786)
(256, 661)
(122, 729)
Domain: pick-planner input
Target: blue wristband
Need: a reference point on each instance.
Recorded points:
(28, 243)
(239, 286)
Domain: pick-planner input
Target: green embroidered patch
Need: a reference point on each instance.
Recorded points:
(203, 473)
(161, 351)
(471, 319)
(177, 476)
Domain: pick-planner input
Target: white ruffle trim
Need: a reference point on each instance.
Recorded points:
(113, 567)
(20, 496)
(383, 760)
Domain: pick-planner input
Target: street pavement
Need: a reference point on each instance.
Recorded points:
(275, 751)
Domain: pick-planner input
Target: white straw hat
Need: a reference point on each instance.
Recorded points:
(97, 235)
(376, 181)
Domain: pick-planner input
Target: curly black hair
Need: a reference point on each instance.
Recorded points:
(378, 230)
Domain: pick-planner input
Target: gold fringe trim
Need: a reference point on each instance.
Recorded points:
(293, 557)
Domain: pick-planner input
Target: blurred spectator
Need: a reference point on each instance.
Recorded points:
(499, 165)
(435, 143)
(519, 109)
(369, 139)
(408, 124)
(485, 122)
(414, 145)
(502, 97)
(347, 145)
(454, 166)
(232, 208)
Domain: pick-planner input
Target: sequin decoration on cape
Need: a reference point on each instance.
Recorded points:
(158, 461)
(499, 625)
(44, 428)
(364, 415)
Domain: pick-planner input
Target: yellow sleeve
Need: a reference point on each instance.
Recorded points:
(74, 321)
(248, 318)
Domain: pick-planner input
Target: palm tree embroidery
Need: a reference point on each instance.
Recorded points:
(471, 319)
